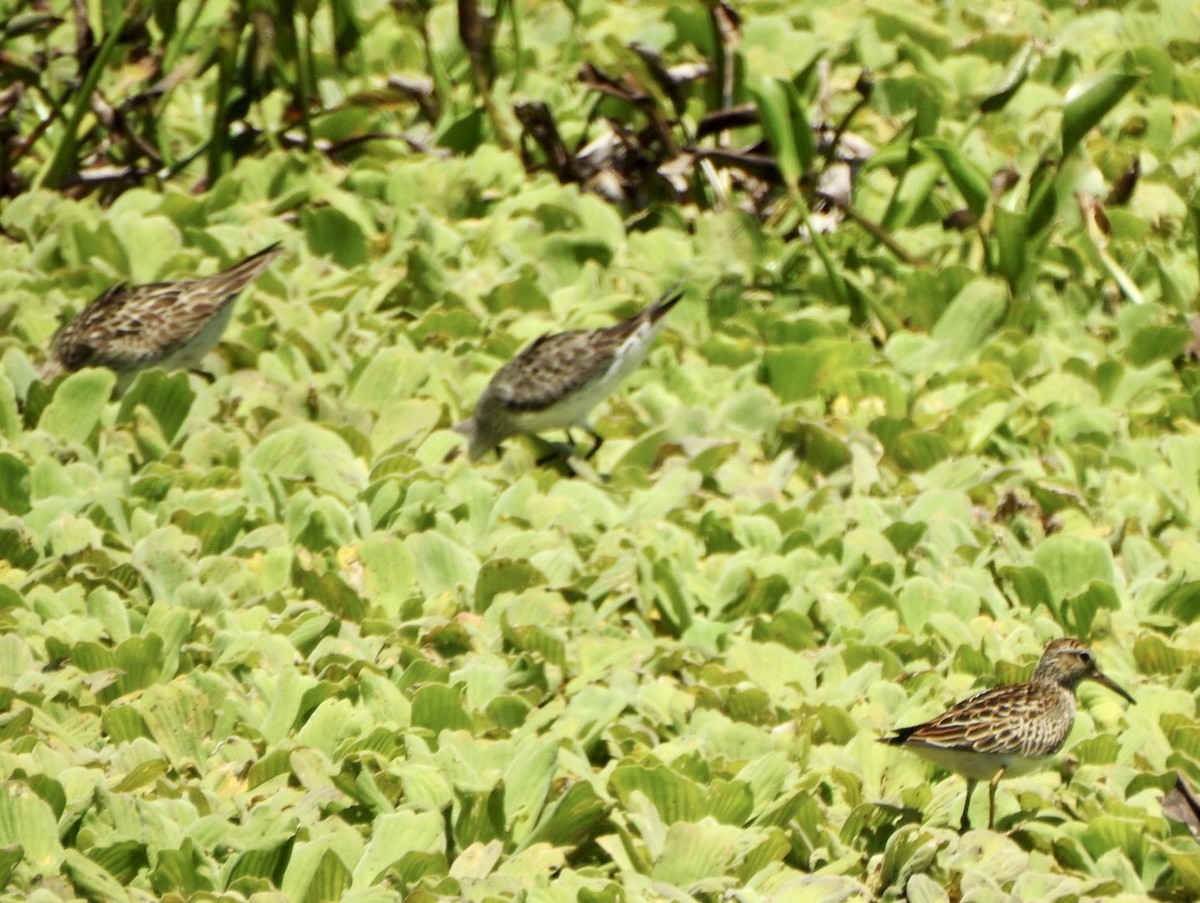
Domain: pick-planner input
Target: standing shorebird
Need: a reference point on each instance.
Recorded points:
(555, 382)
(1010, 729)
(172, 325)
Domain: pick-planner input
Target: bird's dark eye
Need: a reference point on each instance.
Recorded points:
(1085, 657)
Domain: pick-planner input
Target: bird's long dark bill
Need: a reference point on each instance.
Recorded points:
(1103, 679)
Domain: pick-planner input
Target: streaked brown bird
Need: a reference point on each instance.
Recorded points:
(1008, 730)
(129, 328)
(556, 381)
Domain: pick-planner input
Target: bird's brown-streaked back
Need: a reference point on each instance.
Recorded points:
(128, 328)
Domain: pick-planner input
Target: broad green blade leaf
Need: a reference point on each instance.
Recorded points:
(968, 178)
(1012, 231)
(1014, 77)
(775, 116)
(1089, 101)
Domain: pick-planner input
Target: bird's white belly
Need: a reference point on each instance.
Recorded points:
(188, 354)
(976, 766)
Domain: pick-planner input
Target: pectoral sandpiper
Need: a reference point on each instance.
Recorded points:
(1009, 729)
(556, 381)
(162, 324)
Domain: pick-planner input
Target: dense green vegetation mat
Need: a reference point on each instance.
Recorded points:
(271, 636)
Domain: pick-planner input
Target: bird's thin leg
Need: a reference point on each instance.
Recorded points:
(203, 374)
(597, 441)
(965, 824)
(559, 451)
(992, 798)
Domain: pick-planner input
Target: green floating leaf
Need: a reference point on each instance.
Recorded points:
(441, 565)
(122, 860)
(330, 590)
(1012, 244)
(480, 816)
(14, 484)
(142, 775)
(527, 783)
(390, 571)
(176, 723)
(92, 878)
(918, 451)
(1079, 611)
(140, 658)
(821, 448)
(266, 862)
(10, 414)
(307, 452)
(795, 372)
(1154, 655)
(392, 374)
(504, 575)
(439, 707)
(693, 852)
(970, 319)
(123, 723)
(14, 724)
(216, 532)
(903, 536)
(77, 404)
(395, 835)
(1089, 101)
(508, 712)
(1071, 562)
(269, 766)
(761, 595)
(1154, 343)
(315, 873)
(537, 640)
(1109, 832)
(26, 819)
(332, 232)
(168, 397)
(568, 821)
(675, 797)
(774, 114)
(1031, 586)
(1014, 77)
(10, 856)
(970, 180)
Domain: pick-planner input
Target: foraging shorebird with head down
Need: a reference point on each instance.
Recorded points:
(129, 328)
(556, 381)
